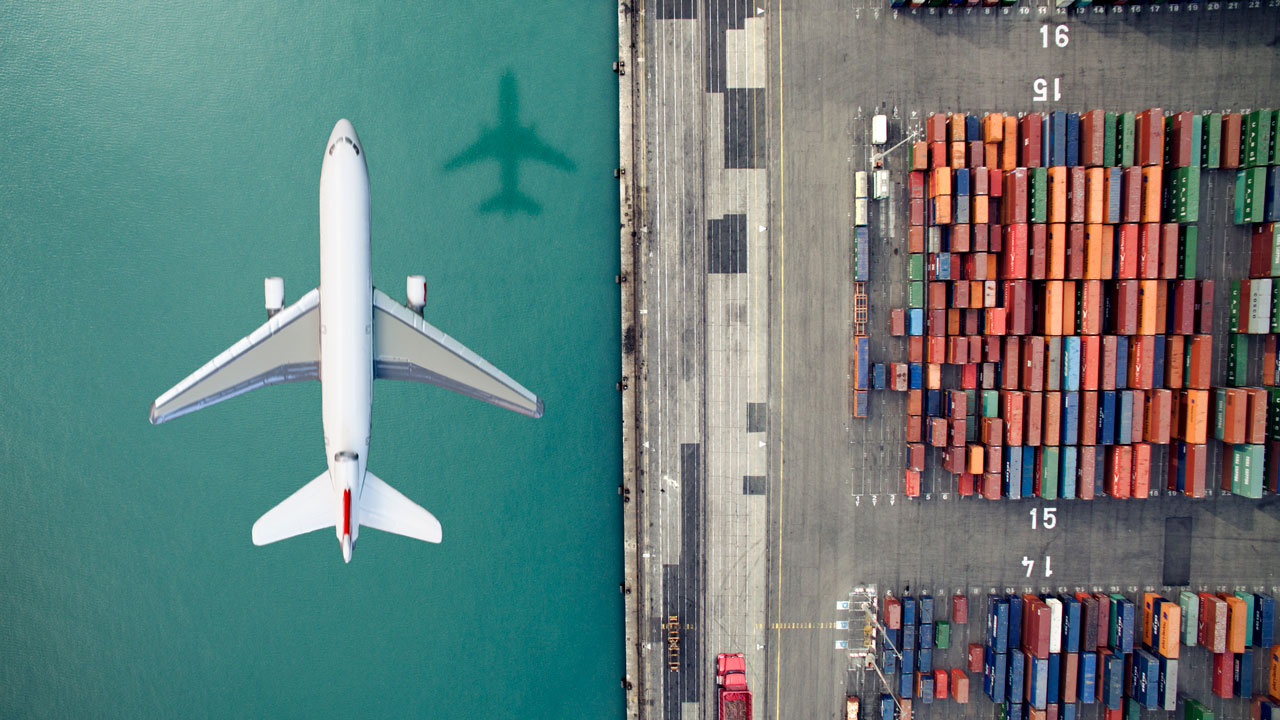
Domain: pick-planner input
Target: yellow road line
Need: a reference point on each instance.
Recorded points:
(782, 367)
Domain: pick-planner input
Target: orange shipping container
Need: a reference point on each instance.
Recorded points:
(1090, 361)
(1151, 197)
(1053, 307)
(1273, 686)
(1095, 195)
(1032, 415)
(1147, 306)
(940, 182)
(1057, 249)
(1009, 145)
(1235, 415)
(1068, 307)
(980, 214)
(1256, 429)
(976, 459)
(1239, 625)
(1094, 248)
(1195, 416)
(1159, 416)
(1119, 471)
(991, 155)
(1200, 350)
(920, 156)
(1141, 484)
(955, 127)
(1057, 194)
(957, 154)
(993, 127)
(1149, 250)
(1090, 309)
(1170, 630)
(960, 685)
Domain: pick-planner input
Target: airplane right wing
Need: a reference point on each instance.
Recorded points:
(406, 347)
(284, 349)
(484, 147)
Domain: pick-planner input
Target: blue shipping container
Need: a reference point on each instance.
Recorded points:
(1068, 712)
(1242, 674)
(1122, 362)
(1124, 424)
(878, 376)
(887, 706)
(908, 664)
(1126, 626)
(1012, 482)
(1070, 418)
(926, 688)
(995, 672)
(1015, 619)
(1087, 679)
(972, 128)
(910, 638)
(926, 611)
(1157, 356)
(1114, 176)
(908, 611)
(1055, 676)
(1057, 138)
(1264, 617)
(915, 321)
(933, 403)
(1112, 680)
(962, 181)
(1071, 609)
(924, 660)
(1073, 139)
(1067, 477)
(1017, 671)
(1028, 471)
(861, 254)
(1071, 364)
(1038, 677)
(888, 661)
(862, 356)
(1044, 140)
(1106, 417)
(906, 685)
(1016, 711)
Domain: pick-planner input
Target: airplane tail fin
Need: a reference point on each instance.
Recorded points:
(383, 507)
(509, 202)
(310, 508)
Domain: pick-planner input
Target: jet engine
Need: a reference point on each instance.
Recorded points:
(273, 289)
(416, 292)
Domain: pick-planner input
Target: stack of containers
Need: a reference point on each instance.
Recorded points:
(1234, 627)
(1255, 310)
(1052, 259)
(1255, 150)
(913, 632)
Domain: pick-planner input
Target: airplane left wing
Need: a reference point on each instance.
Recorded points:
(406, 347)
(285, 349)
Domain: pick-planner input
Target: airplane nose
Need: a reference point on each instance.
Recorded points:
(344, 128)
(346, 548)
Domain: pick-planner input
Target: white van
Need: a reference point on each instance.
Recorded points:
(879, 129)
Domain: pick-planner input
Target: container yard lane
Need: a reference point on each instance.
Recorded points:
(838, 518)
(702, 297)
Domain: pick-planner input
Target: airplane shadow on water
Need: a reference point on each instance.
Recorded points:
(510, 144)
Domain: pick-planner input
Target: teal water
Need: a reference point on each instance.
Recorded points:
(157, 160)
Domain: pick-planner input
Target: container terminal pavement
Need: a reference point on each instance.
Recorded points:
(760, 291)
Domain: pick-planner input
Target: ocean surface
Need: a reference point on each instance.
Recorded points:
(157, 160)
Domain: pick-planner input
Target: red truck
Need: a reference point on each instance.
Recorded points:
(731, 679)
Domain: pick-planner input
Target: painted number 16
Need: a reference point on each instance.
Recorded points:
(1059, 35)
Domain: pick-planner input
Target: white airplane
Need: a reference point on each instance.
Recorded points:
(345, 334)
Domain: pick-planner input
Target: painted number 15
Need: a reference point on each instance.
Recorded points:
(1041, 89)
(1044, 517)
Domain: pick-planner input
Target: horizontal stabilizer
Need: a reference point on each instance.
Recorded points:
(383, 507)
(311, 508)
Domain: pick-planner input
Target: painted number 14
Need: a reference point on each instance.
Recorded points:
(1030, 565)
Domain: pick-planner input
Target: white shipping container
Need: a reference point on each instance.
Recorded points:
(860, 184)
(879, 129)
(1260, 306)
(880, 184)
(1055, 624)
(860, 211)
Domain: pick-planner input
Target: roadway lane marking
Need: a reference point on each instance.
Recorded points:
(782, 363)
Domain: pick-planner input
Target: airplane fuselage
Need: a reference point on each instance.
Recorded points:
(346, 322)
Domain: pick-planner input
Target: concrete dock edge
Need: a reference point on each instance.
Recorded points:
(630, 132)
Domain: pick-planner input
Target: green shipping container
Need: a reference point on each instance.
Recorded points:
(990, 403)
(1255, 145)
(1197, 139)
(915, 295)
(1196, 710)
(1275, 138)
(1247, 482)
(1190, 604)
(1273, 413)
(1124, 138)
(1049, 462)
(1038, 189)
(915, 267)
(1113, 626)
(1108, 138)
(1211, 141)
(1188, 248)
(971, 428)
(942, 633)
(1251, 189)
(1132, 709)
(1219, 412)
(1233, 307)
(1183, 197)
(1237, 360)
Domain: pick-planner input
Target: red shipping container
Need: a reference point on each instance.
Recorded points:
(964, 484)
(1178, 149)
(969, 376)
(1033, 354)
(1211, 627)
(1128, 251)
(911, 486)
(959, 609)
(1085, 472)
(1013, 205)
(1131, 195)
(1141, 485)
(1173, 360)
(1029, 133)
(892, 612)
(1092, 137)
(959, 686)
(995, 321)
(1204, 307)
(1037, 622)
(915, 457)
(1075, 251)
(991, 486)
(915, 185)
(915, 402)
(1032, 414)
(1141, 363)
(1256, 427)
(1107, 381)
(1230, 155)
(1070, 676)
(1011, 411)
(1088, 434)
(1076, 194)
(1223, 669)
(1184, 307)
(993, 431)
(975, 657)
(1090, 310)
(915, 212)
(995, 182)
(915, 433)
(977, 154)
(935, 128)
(1090, 362)
(939, 428)
(919, 155)
(1260, 254)
(1149, 250)
(1200, 350)
(1159, 416)
(1124, 309)
(1119, 471)
(1138, 415)
(1039, 256)
(1014, 257)
(1234, 417)
(1010, 379)
(915, 349)
(1149, 138)
(995, 244)
(915, 237)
